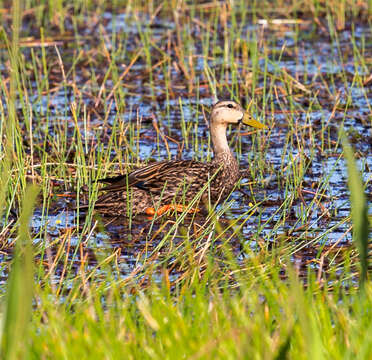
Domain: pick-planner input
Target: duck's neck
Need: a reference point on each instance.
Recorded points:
(219, 140)
(222, 152)
(224, 157)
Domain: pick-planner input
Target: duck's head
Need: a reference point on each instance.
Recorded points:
(229, 112)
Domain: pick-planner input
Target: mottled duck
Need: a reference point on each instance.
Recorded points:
(173, 184)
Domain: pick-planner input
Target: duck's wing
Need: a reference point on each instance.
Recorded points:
(156, 177)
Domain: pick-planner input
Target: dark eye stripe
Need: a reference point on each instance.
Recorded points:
(222, 105)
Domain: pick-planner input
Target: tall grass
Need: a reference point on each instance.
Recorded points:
(16, 312)
(359, 212)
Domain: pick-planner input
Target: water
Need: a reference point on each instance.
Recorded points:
(310, 60)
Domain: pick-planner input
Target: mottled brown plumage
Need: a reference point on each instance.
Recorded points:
(180, 181)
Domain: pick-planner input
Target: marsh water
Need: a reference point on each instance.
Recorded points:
(323, 97)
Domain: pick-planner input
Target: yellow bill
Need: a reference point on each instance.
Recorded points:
(249, 120)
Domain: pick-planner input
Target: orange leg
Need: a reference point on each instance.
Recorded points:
(163, 209)
(65, 195)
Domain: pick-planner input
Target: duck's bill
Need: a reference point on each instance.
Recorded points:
(248, 120)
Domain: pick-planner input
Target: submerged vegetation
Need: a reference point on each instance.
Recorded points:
(279, 270)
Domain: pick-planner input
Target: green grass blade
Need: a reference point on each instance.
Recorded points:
(359, 209)
(19, 296)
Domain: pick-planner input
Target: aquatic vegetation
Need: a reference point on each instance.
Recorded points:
(91, 89)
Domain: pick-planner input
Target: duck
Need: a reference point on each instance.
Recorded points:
(173, 184)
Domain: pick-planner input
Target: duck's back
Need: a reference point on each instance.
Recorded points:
(167, 182)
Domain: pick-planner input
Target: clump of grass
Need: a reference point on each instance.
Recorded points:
(203, 316)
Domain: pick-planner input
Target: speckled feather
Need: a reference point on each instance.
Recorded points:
(169, 182)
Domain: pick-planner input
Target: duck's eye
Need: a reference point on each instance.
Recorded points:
(230, 106)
